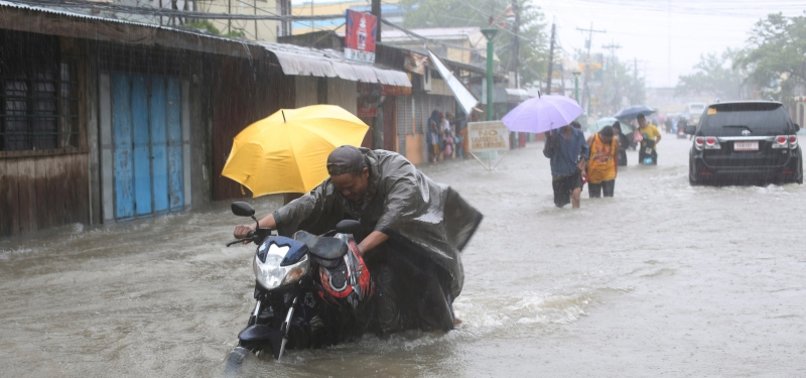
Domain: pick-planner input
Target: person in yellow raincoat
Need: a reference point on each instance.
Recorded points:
(602, 164)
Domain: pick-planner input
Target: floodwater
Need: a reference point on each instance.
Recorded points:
(664, 279)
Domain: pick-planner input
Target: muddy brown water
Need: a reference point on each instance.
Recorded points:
(664, 279)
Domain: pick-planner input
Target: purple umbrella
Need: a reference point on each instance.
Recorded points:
(541, 114)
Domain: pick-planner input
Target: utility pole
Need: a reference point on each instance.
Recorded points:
(376, 11)
(610, 79)
(516, 45)
(585, 88)
(551, 59)
(612, 47)
(286, 11)
(490, 33)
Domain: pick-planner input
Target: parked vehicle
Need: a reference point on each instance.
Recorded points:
(309, 290)
(745, 142)
(694, 111)
(682, 124)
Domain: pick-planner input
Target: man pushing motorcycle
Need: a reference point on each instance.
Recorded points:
(412, 233)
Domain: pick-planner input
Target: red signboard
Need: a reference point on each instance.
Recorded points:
(359, 39)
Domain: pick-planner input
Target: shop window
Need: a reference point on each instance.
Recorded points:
(38, 105)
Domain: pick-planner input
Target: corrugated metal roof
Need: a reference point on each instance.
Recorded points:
(294, 60)
(393, 77)
(67, 13)
(56, 11)
(306, 61)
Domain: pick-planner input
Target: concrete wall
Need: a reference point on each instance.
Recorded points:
(339, 92)
(305, 91)
(343, 93)
(414, 150)
(260, 30)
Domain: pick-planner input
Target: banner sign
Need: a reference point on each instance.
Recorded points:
(487, 136)
(359, 38)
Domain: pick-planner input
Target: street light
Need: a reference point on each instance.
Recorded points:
(576, 85)
(489, 33)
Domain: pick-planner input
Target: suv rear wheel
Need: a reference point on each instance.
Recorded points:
(692, 180)
(798, 178)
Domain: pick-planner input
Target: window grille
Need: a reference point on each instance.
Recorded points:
(38, 102)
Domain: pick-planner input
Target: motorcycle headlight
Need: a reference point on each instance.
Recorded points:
(270, 274)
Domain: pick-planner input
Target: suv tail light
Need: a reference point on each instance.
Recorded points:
(706, 143)
(785, 141)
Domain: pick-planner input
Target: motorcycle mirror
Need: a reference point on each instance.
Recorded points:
(242, 209)
(348, 226)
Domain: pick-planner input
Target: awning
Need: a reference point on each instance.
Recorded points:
(516, 95)
(393, 77)
(463, 96)
(303, 61)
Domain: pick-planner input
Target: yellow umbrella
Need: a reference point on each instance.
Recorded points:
(287, 151)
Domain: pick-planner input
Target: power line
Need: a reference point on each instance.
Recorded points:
(94, 6)
(424, 38)
(731, 8)
(585, 86)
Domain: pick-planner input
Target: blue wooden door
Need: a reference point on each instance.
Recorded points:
(159, 143)
(142, 150)
(147, 138)
(122, 142)
(176, 189)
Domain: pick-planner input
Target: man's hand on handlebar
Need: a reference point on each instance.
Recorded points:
(243, 231)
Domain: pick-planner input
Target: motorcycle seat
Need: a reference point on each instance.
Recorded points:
(323, 247)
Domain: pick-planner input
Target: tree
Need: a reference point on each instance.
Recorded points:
(614, 86)
(532, 59)
(714, 76)
(775, 58)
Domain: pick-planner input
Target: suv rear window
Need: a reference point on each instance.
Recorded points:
(760, 118)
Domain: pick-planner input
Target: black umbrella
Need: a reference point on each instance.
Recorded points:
(633, 112)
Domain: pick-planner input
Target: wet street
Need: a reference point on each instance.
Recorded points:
(664, 279)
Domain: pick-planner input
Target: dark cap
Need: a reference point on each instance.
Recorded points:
(345, 159)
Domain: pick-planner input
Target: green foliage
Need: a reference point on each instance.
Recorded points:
(236, 33)
(714, 76)
(613, 85)
(619, 83)
(532, 60)
(206, 26)
(203, 26)
(775, 60)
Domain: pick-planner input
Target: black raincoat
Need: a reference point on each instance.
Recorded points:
(420, 216)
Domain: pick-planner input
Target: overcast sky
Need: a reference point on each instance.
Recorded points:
(666, 37)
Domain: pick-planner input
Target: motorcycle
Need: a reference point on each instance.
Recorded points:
(681, 129)
(310, 290)
(647, 154)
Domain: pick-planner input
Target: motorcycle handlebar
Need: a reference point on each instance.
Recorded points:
(236, 241)
(253, 236)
